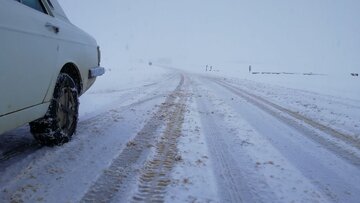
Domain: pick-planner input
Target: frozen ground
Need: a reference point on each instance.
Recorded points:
(156, 134)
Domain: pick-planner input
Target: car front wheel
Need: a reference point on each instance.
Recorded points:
(60, 121)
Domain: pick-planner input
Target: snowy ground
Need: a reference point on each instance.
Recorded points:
(164, 135)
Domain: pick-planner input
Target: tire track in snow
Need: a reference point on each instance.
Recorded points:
(346, 138)
(23, 147)
(126, 90)
(123, 168)
(155, 176)
(26, 147)
(99, 127)
(15, 147)
(132, 94)
(232, 186)
(330, 145)
(107, 118)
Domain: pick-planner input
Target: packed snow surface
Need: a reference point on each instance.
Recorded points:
(197, 125)
(160, 134)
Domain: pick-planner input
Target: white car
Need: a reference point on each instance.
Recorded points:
(46, 63)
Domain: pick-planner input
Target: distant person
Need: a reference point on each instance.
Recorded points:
(250, 69)
(206, 67)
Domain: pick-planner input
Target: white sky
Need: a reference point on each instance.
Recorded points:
(298, 35)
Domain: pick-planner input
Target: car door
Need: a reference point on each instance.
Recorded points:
(28, 53)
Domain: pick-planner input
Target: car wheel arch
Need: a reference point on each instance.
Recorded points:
(72, 70)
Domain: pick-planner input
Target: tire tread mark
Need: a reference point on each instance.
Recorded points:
(330, 145)
(123, 168)
(155, 176)
(344, 137)
(231, 187)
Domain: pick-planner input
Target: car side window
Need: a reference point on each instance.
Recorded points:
(35, 4)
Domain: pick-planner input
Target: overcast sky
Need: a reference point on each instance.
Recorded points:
(297, 35)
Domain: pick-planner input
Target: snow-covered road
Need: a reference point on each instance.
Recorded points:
(185, 137)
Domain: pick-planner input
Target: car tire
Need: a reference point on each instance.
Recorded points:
(59, 124)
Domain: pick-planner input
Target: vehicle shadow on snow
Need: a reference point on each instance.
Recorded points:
(15, 145)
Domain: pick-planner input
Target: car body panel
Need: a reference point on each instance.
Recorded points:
(75, 47)
(23, 79)
(32, 56)
(19, 118)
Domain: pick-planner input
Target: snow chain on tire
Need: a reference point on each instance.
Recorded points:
(60, 121)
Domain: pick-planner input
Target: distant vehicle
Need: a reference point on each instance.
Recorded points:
(46, 63)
